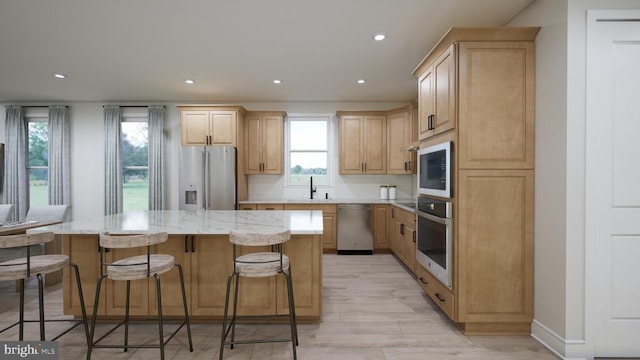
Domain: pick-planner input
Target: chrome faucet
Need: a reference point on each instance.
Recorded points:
(311, 188)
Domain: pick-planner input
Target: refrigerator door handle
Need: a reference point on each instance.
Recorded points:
(204, 179)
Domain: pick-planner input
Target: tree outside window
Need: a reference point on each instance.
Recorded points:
(38, 163)
(135, 163)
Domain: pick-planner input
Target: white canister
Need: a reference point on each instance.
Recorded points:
(384, 192)
(392, 192)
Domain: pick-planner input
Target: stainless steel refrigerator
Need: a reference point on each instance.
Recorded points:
(208, 178)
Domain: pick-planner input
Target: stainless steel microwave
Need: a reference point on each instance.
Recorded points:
(434, 170)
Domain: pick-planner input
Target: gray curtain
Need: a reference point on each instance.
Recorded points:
(112, 160)
(59, 156)
(16, 176)
(156, 157)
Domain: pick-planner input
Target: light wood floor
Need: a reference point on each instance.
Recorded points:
(373, 309)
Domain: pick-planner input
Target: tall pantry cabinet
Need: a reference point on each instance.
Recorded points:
(476, 89)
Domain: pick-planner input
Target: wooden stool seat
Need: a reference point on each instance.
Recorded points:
(261, 264)
(16, 269)
(135, 267)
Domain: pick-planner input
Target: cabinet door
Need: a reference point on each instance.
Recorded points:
(496, 105)
(398, 240)
(116, 291)
(329, 231)
(351, 145)
(253, 145)
(400, 134)
(305, 255)
(272, 144)
(209, 278)
(222, 127)
(409, 239)
(179, 247)
(380, 237)
(375, 145)
(494, 263)
(195, 127)
(82, 251)
(444, 91)
(425, 103)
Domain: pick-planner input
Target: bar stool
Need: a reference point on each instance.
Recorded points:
(137, 268)
(258, 264)
(38, 265)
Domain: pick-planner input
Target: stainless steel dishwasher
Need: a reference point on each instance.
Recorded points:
(354, 229)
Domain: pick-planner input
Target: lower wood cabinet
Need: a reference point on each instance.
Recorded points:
(440, 294)
(207, 262)
(329, 222)
(403, 235)
(380, 233)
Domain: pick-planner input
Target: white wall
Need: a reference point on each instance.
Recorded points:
(550, 167)
(87, 158)
(562, 316)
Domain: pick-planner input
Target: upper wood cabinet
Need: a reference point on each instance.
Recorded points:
(496, 98)
(209, 127)
(436, 94)
(401, 133)
(264, 134)
(363, 143)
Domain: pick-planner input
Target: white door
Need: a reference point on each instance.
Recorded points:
(613, 181)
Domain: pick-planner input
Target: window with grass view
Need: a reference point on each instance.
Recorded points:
(135, 163)
(308, 150)
(38, 162)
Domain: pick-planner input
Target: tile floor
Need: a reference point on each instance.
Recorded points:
(373, 309)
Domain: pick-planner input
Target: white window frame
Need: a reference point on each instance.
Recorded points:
(134, 114)
(287, 152)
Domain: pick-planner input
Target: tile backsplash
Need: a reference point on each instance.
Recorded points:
(271, 187)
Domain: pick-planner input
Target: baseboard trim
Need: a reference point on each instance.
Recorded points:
(554, 342)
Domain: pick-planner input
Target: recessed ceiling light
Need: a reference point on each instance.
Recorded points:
(190, 82)
(277, 81)
(379, 36)
(362, 81)
(60, 76)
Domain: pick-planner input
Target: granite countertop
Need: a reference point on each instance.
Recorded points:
(406, 204)
(211, 222)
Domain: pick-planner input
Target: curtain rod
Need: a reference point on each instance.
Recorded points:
(37, 106)
(132, 106)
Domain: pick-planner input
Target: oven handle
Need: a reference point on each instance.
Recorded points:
(434, 218)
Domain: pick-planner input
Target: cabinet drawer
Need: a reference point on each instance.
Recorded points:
(441, 295)
(269, 206)
(406, 217)
(325, 208)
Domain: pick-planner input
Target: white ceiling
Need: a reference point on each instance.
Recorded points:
(143, 50)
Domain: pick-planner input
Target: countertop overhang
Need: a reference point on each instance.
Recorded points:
(209, 222)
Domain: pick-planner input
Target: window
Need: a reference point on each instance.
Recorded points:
(135, 162)
(38, 159)
(308, 149)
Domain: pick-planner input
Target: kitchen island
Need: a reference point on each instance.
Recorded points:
(199, 240)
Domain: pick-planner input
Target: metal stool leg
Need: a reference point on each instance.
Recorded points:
(126, 316)
(96, 302)
(186, 311)
(293, 303)
(235, 310)
(21, 331)
(41, 304)
(160, 322)
(81, 297)
(223, 336)
(294, 334)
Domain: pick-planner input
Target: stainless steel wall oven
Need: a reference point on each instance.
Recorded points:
(435, 238)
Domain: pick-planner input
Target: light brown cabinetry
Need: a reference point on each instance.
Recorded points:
(363, 143)
(209, 127)
(207, 261)
(264, 133)
(439, 293)
(403, 233)
(436, 94)
(329, 222)
(401, 133)
(490, 112)
(380, 233)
